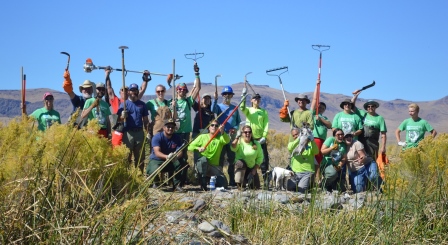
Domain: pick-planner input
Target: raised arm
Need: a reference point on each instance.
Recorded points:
(314, 105)
(146, 77)
(67, 85)
(197, 82)
(110, 90)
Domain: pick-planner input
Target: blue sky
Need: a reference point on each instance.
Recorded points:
(402, 45)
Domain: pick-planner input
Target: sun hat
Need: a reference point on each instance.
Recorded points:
(206, 95)
(85, 84)
(371, 102)
(302, 97)
(346, 101)
(256, 96)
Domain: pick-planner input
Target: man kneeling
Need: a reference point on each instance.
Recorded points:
(165, 144)
(208, 164)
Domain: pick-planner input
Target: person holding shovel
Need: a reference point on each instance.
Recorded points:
(45, 116)
(99, 109)
(207, 164)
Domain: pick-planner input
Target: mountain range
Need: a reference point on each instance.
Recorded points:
(394, 111)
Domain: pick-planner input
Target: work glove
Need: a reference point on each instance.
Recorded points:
(402, 143)
(146, 77)
(238, 134)
(96, 102)
(335, 147)
(244, 92)
(196, 68)
(67, 85)
(124, 114)
(262, 140)
(337, 168)
(148, 137)
(286, 103)
(169, 79)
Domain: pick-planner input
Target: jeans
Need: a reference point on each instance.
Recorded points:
(358, 179)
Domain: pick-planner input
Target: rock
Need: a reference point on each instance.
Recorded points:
(221, 226)
(198, 204)
(206, 227)
(174, 216)
(281, 198)
(214, 234)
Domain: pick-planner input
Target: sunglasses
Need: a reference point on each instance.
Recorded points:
(100, 89)
(170, 126)
(247, 132)
(371, 106)
(160, 91)
(339, 134)
(49, 98)
(214, 125)
(182, 89)
(348, 136)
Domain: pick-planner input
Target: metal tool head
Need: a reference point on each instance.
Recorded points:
(66, 53)
(194, 56)
(89, 66)
(123, 47)
(270, 71)
(320, 48)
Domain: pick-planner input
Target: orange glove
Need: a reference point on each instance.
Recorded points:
(67, 85)
(284, 110)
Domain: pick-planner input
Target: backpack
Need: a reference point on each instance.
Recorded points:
(163, 113)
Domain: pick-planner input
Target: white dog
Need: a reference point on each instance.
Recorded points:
(278, 176)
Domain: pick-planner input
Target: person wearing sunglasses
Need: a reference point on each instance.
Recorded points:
(184, 104)
(45, 116)
(165, 145)
(99, 109)
(230, 127)
(208, 163)
(160, 110)
(374, 127)
(204, 116)
(249, 156)
(333, 167)
(347, 120)
(259, 121)
(300, 115)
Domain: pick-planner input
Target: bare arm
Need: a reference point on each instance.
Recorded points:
(314, 102)
(397, 135)
(110, 90)
(146, 78)
(355, 96)
(433, 133)
(383, 142)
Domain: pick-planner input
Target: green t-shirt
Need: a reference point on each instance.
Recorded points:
(183, 108)
(342, 150)
(320, 130)
(245, 151)
(376, 121)
(299, 117)
(101, 115)
(305, 162)
(152, 106)
(45, 118)
(258, 120)
(415, 131)
(213, 150)
(347, 122)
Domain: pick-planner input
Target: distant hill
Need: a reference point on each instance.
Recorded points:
(395, 111)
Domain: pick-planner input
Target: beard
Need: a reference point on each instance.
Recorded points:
(86, 95)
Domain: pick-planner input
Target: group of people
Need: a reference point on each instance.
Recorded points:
(217, 135)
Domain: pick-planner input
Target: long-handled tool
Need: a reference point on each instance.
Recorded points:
(123, 77)
(194, 56)
(320, 48)
(23, 92)
(68, 61)
(89, 67)
(367, 86)
(281, 70)
(227, 119)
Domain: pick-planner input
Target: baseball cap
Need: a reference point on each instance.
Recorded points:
(169, 121)
(100, 85)
(47, 94)
(133, 86)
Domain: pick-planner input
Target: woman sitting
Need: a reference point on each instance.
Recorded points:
(249, 156)
(361, 167)
(333, 165)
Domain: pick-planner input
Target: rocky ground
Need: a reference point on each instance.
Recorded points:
(193, 222)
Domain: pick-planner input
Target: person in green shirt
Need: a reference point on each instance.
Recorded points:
(333, 166)
(99, 109)
(347, 120)
(415, 128)
(45, 116)
(259, 121)
(184, 105)
(374, 127)
(300, 115)
(207, 164)
(303, 164)
(249, 156)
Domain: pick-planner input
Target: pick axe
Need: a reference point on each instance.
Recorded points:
(68, 61)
